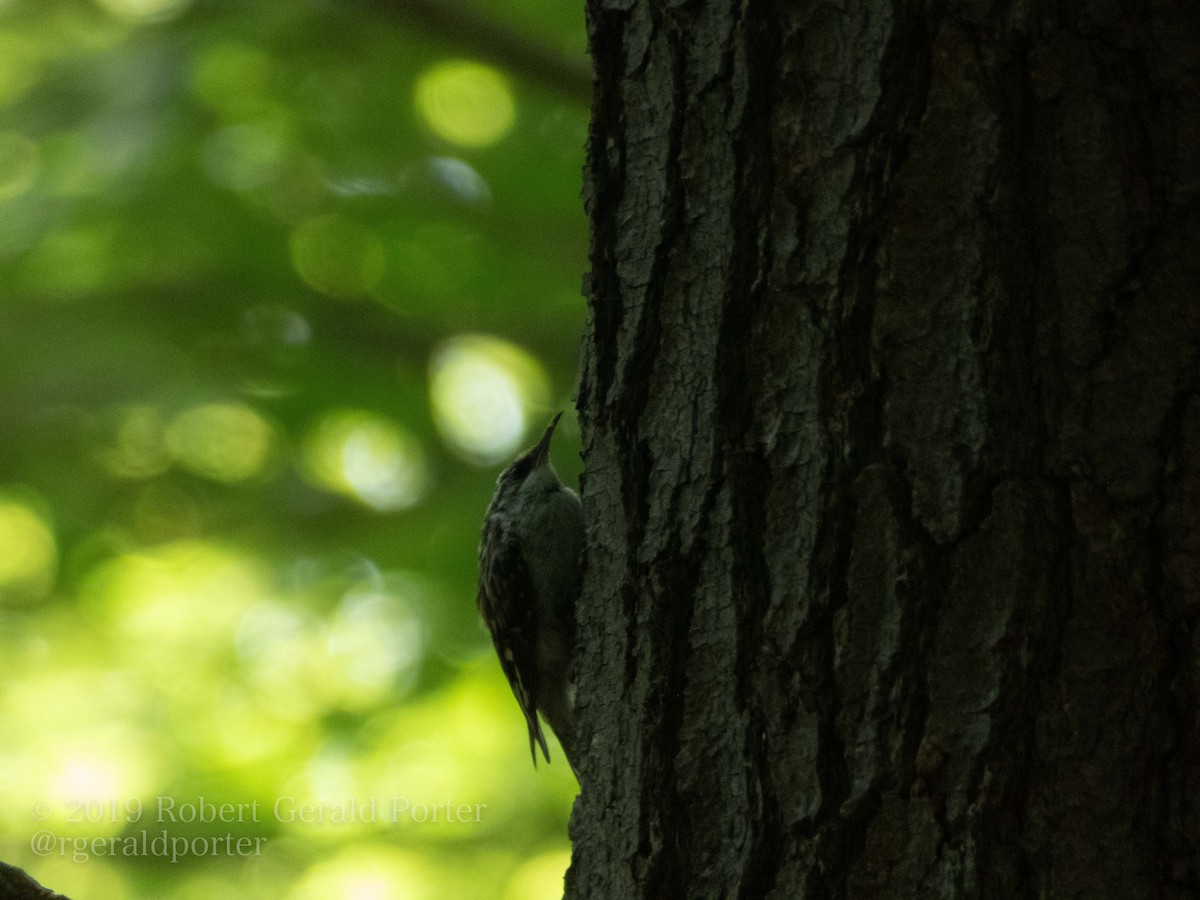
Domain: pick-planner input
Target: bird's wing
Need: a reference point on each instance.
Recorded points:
(507, 603)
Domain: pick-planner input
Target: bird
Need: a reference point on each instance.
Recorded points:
(530, 577)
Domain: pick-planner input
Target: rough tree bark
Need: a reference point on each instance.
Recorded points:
(892, 447)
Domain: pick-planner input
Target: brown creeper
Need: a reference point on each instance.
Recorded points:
(530, 575)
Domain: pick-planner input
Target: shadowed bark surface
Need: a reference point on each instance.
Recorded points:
(892, 440)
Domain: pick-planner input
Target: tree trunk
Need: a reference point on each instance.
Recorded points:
(892, 447)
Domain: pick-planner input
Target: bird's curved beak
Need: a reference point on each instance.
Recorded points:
(541, 450)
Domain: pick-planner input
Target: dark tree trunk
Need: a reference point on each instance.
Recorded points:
(892, 441)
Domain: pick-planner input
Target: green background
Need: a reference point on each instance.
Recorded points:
(282, 287)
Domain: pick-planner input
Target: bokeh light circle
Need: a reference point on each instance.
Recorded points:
(466, 103)
(485, 391)
(30, 554)
(366, 456)
(227, 442)
(337, 256)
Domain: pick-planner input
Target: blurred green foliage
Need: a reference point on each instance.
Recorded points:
(281, 287)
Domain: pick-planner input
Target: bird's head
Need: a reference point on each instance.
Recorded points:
(530, 475)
